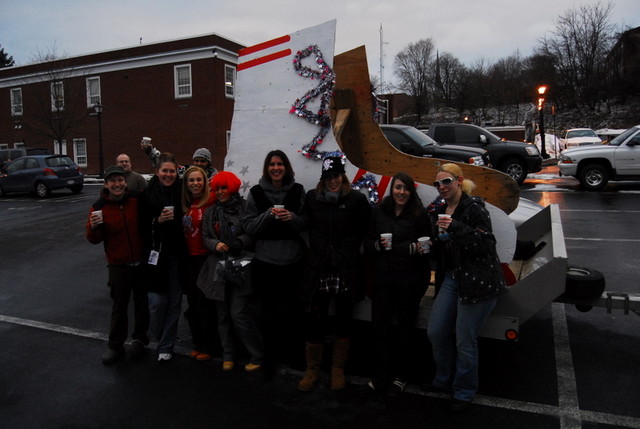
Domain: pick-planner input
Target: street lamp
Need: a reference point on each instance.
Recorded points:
(99, 108)
(541, 90)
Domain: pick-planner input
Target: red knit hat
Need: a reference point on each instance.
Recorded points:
(226, 179)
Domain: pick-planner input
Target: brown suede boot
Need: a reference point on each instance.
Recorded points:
(312, 374)
(340, 355)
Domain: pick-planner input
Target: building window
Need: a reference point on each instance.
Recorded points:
(57, 96)
(93, 91)
(80, 152)
(229, 81)
(182, 81)
(60, 148)
(16, 101)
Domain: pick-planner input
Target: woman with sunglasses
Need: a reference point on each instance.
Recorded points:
(468, 280)
(401, 275)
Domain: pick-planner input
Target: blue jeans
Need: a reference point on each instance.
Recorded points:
(233, 314)
(453, 331)
(165, 309)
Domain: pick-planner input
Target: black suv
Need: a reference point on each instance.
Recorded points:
(411, 141)
(517, 159)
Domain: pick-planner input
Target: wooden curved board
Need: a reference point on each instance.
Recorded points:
(364, 144)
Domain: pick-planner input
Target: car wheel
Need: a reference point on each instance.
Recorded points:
(593, 177)
(76, 189)
(583, 283)
(42, 190)
(516, 169)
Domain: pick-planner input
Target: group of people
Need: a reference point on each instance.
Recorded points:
(288, 261)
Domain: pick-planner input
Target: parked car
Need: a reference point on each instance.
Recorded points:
(608, 134)
(412, 141)
(517, 159)
(595, 165)
(578, 137)
(41, 174)
(8, 155)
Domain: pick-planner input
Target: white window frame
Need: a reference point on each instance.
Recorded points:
(18, 145)
(4, 146)
(60, 149)
(16, 101)
(57, 96)
(94, 92)
(80, 155)
(229, 81)
(182, 84)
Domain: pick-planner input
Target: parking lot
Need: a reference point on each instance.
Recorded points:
(569, 369)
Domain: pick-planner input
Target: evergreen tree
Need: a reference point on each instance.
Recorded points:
(5, 59)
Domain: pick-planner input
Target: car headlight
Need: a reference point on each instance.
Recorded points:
(476, 160)
(532, 150)
(565, 159)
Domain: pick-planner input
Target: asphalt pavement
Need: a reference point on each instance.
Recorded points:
(569, 370)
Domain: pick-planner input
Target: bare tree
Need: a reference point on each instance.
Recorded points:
(475, 89)
(505, 79)
(412, 65)
(579, 46)
(56, 97)
(447, 74)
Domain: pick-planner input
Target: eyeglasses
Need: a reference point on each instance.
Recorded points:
(447, 181)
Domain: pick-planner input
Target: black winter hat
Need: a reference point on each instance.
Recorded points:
(332, 166)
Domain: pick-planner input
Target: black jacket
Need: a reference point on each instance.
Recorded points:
(470, 253)
(336, 230)
(401, 264)
(168, 237)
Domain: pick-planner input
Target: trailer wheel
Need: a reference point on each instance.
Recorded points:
(583, 283)
(584, 308)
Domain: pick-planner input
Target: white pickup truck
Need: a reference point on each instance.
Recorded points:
(595, 165)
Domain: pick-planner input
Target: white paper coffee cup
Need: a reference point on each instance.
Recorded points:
(443, 216)
(169, 208)
(278, 207)
(98, 214)
(386, 240)
(423, 242)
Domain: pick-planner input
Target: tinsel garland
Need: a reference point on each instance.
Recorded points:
(368, 181)
(435, 204)
(324, 90)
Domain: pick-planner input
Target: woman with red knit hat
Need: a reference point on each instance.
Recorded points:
(224, 277)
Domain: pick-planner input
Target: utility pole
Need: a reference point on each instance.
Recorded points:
(381, 61)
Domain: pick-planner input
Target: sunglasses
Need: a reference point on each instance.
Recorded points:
(447, 181)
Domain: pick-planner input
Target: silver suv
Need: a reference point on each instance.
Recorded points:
(595, 165)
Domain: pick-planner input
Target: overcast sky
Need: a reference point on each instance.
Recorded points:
(468, 29)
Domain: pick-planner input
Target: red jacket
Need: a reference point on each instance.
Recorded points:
(120, 229)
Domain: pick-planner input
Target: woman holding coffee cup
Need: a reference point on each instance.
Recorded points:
(279, 254)
(161, 218)
(402, 274)
(468, 279)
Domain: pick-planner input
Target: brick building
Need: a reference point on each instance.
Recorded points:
(180, 93)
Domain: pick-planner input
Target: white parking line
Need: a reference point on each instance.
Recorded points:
(567, 411)
(567, 388)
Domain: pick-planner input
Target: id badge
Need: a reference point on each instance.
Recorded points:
(153, 257)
